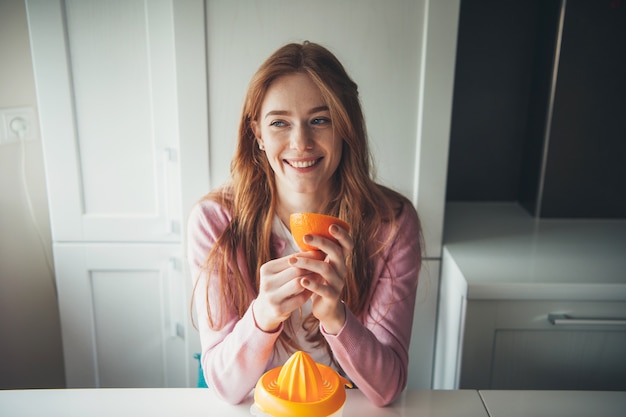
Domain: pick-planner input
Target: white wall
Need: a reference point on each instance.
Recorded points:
(30, 347)
(377, 41)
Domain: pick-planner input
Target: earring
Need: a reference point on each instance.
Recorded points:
(261, 147)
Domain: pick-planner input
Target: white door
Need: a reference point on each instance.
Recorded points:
(107, 94)
(122, 314)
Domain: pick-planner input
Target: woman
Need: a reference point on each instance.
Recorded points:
(302, 147)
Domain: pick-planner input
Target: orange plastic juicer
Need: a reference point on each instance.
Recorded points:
(300, 388)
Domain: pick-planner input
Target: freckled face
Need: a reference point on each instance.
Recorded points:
(295, 128)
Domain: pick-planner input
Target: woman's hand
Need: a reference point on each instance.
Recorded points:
(280, 291)
(328, 280)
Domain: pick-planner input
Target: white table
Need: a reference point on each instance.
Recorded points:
(183, 402)
(554, 403)
(189, 402)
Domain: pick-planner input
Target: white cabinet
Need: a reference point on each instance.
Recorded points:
(422, 348)
(531, 303)
(557, 345)
(106, 89)
(450, 324)
(121, 92)
(123, 314)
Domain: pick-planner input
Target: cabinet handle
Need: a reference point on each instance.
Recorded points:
(567, 320)
(169, 157)
(173, 284)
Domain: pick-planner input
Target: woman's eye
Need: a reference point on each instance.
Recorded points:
(277, 123)
(320, 121)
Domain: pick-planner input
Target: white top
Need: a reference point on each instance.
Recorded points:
(503, 252)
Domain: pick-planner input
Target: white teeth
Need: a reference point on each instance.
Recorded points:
(303, 164)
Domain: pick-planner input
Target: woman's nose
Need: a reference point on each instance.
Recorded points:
(301, 138)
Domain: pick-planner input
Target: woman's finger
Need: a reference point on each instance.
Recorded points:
(330, 273)
(342, 236)
(338, 251)
(319, 288)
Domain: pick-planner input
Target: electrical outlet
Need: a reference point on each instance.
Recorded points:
(18, 123)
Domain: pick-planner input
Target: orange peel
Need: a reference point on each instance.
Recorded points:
(302, 224)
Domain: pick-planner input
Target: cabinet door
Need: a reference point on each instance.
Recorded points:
(422, 348)
(109, 106)
(515, 345)
(450, 324)
(122, 313)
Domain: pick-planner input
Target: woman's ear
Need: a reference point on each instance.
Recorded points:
(255, 128)
(257, 133)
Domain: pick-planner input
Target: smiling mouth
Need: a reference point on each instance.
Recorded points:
(303, 164)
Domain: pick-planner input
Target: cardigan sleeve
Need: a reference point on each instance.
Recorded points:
(373, 349)
(234, 356)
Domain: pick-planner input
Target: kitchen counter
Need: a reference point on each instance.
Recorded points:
(554, 403)
(527, 303)
(505, 253)
(189, 402)
(201, 402)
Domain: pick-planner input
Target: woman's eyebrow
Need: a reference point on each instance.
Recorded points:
(287, 112)
(276, 113)
(318, 109)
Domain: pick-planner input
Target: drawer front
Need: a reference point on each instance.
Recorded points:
(544, 345)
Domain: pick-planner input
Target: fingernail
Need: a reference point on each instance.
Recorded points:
(293, 260)
(334, 228)
(305, 282)
(307, 238)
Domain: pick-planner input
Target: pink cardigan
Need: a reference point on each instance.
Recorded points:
(372, 349)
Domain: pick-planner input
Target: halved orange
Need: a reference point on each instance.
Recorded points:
(313, 224)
